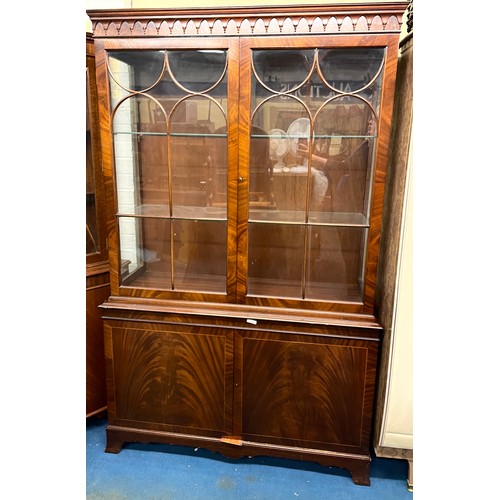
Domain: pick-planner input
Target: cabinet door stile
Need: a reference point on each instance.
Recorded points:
(233, 161)
(238, 374)
(380, 170)
(229, 383)
(107, 161)
(243, 166)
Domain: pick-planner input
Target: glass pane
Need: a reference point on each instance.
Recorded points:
(198, 159)
(343, 150)
(197, 70)
(91, 223)
(282, 70)
(218, 167)
(286, 121)
(200, 255)
(145, 252)
(275, 259)
(136, 70)
(260, 188)
(278, 173)
(350, 69)
(335, 263)
(140, 114)
(140, 150)
(191, 72)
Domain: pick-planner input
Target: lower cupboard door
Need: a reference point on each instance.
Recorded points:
(172, 378)
(310, 392)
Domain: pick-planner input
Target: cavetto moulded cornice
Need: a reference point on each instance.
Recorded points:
(256, 20)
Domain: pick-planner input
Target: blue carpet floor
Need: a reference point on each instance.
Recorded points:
(162, 472)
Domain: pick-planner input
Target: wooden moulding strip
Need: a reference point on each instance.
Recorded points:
(252, 21)
(238, 311)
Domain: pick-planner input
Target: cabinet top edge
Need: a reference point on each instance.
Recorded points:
(359, 7)
(238, 311)
(302, 19)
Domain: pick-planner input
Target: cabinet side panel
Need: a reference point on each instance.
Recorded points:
(170, 377)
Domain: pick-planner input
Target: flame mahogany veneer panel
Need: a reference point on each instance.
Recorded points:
(173, 377)
(311, 393)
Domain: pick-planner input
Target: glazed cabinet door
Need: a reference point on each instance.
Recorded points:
(171, 378)
(305, 391)
(312, 124)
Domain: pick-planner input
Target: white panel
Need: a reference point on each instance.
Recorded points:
(404, 441)
(398, 424)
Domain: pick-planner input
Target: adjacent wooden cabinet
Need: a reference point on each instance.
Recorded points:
(97, 264)
(244, 154)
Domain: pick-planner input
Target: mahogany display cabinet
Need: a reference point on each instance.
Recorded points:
(244, 154)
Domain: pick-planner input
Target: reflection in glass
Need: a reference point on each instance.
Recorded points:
(343, 148)
(187, 66)
(350, 69)
(91, 215)
(260, 170)
(282, 70)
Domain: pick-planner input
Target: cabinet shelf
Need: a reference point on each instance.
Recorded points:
(170, 134)
(315, 136)
(255, 216)
(315, 218)
(179, 212)
(253, 136)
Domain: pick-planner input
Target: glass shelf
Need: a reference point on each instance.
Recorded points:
(206, 213)
(150, 210)
(179, 212)
(315, 218)
(171, 134)
(254, 136)
(315, 136)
